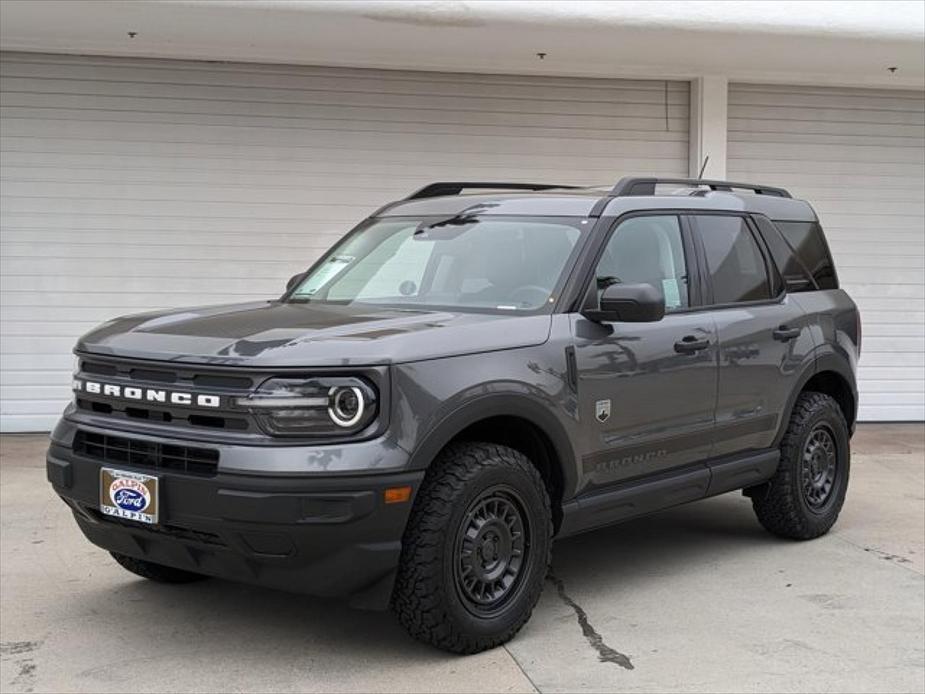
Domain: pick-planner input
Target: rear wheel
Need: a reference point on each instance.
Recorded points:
(805, 496)
(156, 572)
(476, 549)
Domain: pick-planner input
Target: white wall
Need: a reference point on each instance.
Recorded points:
(131, 185)
(849, 43)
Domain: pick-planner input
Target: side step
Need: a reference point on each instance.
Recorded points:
(643, 496)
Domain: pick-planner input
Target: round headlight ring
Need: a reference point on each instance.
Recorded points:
(346, 405)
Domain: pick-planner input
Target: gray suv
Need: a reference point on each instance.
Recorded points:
(471, 372)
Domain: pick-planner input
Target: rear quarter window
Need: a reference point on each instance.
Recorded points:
(805, 252)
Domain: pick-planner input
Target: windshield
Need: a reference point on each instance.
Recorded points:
(490, 263)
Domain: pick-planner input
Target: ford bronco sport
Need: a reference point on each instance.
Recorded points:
(471, 372)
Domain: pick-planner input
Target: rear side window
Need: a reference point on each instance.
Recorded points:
(734, 260)
(808, 243)
(796, 277)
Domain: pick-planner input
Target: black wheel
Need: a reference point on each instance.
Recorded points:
(476, 549)
(156, 572)
(805, 496)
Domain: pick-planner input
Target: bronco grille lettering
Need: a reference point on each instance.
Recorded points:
(174, 397)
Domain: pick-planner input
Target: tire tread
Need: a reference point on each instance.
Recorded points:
(418, 598)
(779, 508)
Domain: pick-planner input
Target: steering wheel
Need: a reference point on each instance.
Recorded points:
(519, 295)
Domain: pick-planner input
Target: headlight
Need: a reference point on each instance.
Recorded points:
(75, 372)
(322, 406)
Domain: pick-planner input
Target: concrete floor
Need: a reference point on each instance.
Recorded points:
(698, 599)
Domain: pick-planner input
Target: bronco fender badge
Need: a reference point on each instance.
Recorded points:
(602, 410)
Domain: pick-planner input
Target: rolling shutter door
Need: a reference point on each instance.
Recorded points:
(858, 156)
(130, 185)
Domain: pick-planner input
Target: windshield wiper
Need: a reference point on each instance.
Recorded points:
(459, 220)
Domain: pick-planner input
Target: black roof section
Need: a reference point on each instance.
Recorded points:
(547, 199)
(442, 188)
(646, 186)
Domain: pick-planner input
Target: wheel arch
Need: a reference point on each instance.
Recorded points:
(515, 421)
(829, 375)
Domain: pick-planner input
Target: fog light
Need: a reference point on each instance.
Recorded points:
(346, 405)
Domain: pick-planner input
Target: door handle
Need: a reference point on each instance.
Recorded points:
(785, 334)
(690, 344)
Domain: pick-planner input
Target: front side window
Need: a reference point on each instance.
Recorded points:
(734, 260)
(647, 250)
(491, 263)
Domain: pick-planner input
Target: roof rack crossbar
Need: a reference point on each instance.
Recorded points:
(646, 186)
(433, 190)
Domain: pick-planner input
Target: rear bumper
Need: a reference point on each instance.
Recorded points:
(324, 536)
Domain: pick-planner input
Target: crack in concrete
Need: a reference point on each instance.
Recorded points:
(24, 680)
(899, 559)
(18, 647)
(605, 653)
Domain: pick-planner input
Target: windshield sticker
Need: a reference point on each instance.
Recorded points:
(324, 274)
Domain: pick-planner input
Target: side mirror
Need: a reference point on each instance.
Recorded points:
(629, 303)
(294, 281)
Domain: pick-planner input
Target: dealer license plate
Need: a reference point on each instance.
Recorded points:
(129, 495)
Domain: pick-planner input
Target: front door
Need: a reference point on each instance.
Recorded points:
(647, 391)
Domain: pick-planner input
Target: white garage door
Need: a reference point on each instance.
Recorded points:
(130, 185)
(859, 157)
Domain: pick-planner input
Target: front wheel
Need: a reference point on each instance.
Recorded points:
(803, 499)
(476, 549)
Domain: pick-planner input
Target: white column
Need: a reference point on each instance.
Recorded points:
(708, 125)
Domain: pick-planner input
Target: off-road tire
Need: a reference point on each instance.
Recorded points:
(782, 505)
(430, 600)
(156, 572)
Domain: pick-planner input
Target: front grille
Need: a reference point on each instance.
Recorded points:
(228, 383)
(185, 375)
(148, 454)
(178, 416)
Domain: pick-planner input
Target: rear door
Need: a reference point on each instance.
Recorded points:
(764, 336)
(647, 391)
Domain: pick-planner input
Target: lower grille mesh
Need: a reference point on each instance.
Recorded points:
(150, 454)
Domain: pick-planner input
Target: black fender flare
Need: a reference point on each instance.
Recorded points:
(501, 404)
(823, 362)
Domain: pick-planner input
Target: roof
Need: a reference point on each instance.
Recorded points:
(542, 200)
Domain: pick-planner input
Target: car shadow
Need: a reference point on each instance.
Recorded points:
(663, 542)
(218, 615)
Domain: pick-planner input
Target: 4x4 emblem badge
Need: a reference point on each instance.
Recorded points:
(602, 410)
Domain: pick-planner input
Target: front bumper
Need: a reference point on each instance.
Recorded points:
(330, 536)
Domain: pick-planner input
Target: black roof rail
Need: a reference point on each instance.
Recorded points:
(433, 190)
(646, 186)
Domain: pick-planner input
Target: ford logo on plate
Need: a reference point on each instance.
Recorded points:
(129, 495)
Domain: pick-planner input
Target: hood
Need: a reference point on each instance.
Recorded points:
(297, 334)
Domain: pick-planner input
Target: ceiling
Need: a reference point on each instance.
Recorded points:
(838, 43)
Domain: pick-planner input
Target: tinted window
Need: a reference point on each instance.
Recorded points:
(734, 260)
(796, 276)
(807, 240)
(647, 250)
